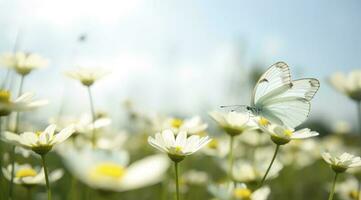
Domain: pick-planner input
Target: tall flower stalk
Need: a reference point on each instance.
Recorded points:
(178, 147)
(330, 197)
(176, 180)
(12, 153)
(46, 176)
(92, 111)
(87, 77)
(270, 165)
(233, 124)
(230, 158)
(339, 164)
(281, 135)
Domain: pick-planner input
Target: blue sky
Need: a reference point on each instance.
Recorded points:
(179, 56)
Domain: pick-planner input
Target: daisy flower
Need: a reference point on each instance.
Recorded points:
(23, 63)
(41, 142)
(348, 84)
(238, 192)
(177, 146)
(28, 176)
(22, 103)
(340, 163)
(193, 125)
(234, 123)
(87, 76)
(281, 135)
(111, 171)
(349, 189)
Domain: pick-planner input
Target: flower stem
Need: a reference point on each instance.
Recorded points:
(176, 180)
(270, 166)
(12, 153)
(29, 193)
(230, 158)
(359, 116)
(358, 189)
(46, 177)
(333, 187)
(92, 110)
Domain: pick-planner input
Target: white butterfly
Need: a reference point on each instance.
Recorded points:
(281, 100)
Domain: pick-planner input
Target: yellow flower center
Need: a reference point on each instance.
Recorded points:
(4, 96)
(288, 132)
(353, 194)
(213, 144)
(26, 172)
(110, 170)
(263, 121)
(38, 133)
(176, 123)
(242, 193)
(178, 149)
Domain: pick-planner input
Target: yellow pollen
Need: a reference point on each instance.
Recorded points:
(178, 149)
(176, 123)
(242, 193)
(263, 121)
(353, 194)
(4, 96)
(38, 133)
(213, 144)
(26, 172)
(111, 170)
(288, 132)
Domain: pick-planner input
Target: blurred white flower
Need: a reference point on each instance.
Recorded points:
(281, 135)
(348, 84)
(340, 163)
(228, 191)
(194, 177)
(252, 171)
(217, 147)
(109, 171)
(177, 146)
(22, 103)
(234, 123)
(40, 142)
(83, 124)
(28, 176)
(87, 76)
(111, 141)
(349, 189)
(300, 153)
(23, 63)
(193, 125)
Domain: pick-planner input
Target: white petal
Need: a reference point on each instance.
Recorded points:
(64, 134)
(181, 139)
(168, 137)
(147, 171)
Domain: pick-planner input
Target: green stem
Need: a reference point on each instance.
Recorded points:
(270, 166)
(176, 180)
(92, 110)
(12, 153)
(358, 189)
(29, 193)
(333, 187)
(359, 116)
(46, 177)
(230, 158)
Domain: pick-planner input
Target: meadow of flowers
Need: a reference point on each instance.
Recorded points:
(243, 152)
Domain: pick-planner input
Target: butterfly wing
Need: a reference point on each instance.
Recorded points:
(281, 100)
(274, 81)
(292, 106)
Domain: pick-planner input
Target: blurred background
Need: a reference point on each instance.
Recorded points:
(184, 56)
